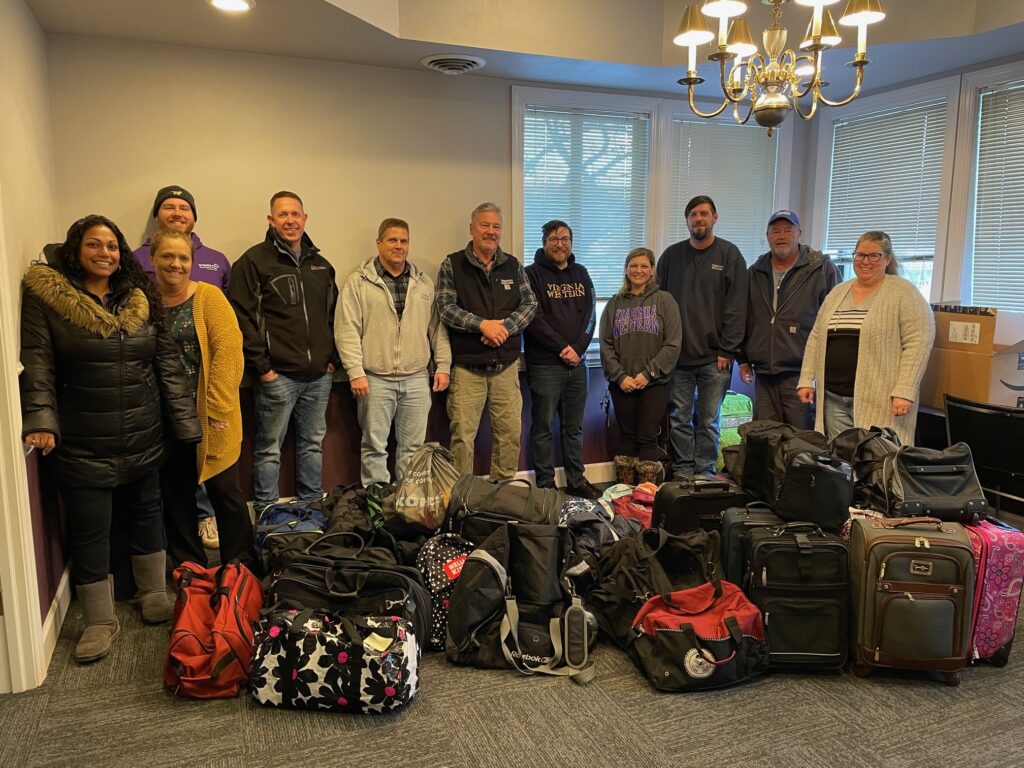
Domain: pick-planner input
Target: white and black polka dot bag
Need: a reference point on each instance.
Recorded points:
(440, 561)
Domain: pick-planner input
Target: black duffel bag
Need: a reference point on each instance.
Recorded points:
(514, 607)
(866, 450)
(355, 588)
(478, 506)
(933, 483)
(815, 487)
(656, 562)
(761, 460)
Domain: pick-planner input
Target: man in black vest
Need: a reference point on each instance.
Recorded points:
(484, 298)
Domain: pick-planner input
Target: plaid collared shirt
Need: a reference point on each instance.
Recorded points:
(397, 286)
(454, 316)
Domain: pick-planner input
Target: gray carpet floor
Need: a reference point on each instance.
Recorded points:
(116, 713)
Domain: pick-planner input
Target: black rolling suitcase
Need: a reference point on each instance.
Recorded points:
(737, 522)
(798, 576)
(682, 506)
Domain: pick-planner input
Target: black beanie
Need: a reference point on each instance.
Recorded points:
(174, 191)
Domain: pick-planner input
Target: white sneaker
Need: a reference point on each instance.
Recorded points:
(208, 533)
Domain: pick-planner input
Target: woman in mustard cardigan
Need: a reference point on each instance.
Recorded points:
(202, 323)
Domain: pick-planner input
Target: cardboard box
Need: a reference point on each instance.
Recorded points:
(967, 360)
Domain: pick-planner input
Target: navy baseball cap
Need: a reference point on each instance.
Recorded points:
(789, 216)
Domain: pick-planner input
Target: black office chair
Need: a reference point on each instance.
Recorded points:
(995, 434)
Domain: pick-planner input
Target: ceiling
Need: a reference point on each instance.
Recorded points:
(623, 44)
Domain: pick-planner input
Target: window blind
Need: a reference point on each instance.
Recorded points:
(998, 263)
(735, 166)
(589, 169)
(886, 174)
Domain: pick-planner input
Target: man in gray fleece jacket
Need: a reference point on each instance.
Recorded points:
(387, 329)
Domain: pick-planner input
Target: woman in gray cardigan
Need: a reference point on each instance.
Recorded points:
(869, 347)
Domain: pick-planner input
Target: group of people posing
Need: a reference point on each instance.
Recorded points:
(133, 362)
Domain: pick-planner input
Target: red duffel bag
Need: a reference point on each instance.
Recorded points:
(707, 636)
(211, 642)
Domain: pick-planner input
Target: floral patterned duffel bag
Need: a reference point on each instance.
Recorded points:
(317, 660)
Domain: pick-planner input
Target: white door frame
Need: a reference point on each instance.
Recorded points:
(22, 656)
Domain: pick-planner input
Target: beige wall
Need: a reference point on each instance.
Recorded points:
(26, 163)
(357, 143)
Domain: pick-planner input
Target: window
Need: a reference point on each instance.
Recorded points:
(887, 174)
(590, 169)
(735, 166)
(997, 272)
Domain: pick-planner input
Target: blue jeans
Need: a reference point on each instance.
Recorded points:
(275, 402)
(406, 402)
(837, 414)
(561, 389)
(694, 420)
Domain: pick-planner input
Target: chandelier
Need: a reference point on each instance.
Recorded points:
(778, 80)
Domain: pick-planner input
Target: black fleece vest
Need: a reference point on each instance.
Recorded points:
(492, 296)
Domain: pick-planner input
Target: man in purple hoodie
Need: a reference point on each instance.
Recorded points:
(175, 208)
(556, 342)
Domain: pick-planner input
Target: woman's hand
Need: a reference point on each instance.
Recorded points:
(901, 407)
(44, 441)
(628, 384)
(220, 426)
(806, 394)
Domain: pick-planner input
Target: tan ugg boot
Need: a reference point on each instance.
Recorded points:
(650, 471)
(151, 580)
(625, 469)
(101, 627)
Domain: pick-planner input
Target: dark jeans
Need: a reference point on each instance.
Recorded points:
(639, 416)
(178, 481)
(561, 389)
(775, 399)
(90, 512)
(697, 395)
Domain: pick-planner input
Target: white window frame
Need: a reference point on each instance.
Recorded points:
(946, 87)
(956, 284)
(661, 111)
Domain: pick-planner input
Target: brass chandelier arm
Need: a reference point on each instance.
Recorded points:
(727, 88)
(736, 112)
(815, 76)
(814, 101)
(698, 113)
(848, 99)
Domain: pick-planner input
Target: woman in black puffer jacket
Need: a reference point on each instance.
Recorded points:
(101, 378)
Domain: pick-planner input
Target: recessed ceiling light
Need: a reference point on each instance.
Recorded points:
(233, 6)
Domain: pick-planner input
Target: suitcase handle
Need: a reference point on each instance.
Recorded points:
(899, 522)
(712, 486)
(938, 469)
(792, 527)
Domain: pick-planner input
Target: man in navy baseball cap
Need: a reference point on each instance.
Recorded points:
(786, 287)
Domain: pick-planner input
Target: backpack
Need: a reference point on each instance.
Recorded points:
(514, 606)
(284, 530)
(211, 641)
(440, 561)
(865, 450)
(593, 528)
(655, 562)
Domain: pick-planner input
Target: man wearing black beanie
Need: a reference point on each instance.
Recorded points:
(174, 208)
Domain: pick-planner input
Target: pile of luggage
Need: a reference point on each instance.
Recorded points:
(861, 550)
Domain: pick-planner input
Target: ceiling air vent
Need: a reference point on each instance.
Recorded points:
(452, 63)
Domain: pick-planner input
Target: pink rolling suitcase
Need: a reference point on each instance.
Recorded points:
(999, 562)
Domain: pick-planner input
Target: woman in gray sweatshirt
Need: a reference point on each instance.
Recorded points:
(641, 334)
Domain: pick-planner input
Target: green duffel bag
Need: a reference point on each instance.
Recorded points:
(737, 409)
(479, 506)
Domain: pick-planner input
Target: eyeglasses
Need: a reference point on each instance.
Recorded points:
(870, 257)
(563, 240)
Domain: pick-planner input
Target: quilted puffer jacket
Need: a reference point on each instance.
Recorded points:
(101, 379)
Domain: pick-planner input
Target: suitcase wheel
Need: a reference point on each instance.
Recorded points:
(952, 679)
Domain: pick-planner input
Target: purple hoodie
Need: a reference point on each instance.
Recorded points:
(208, 265)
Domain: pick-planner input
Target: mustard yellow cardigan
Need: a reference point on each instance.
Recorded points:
(220, 342)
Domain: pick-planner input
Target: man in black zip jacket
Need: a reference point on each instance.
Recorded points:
(708, 277)
(556, 342)
(786, 288)
(485, 300)
(284, 294)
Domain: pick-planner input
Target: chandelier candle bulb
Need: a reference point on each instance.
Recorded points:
(691, 61)
(862, 40)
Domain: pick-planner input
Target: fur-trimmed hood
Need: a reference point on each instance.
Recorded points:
(58, 293)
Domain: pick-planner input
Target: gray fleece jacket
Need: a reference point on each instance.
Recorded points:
(641, 333)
